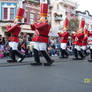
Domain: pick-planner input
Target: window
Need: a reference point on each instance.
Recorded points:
(11, 13)
(8, 13)
(66, 13)
(31, 18)
(5, 13)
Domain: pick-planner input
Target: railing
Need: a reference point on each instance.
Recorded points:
(3, 23)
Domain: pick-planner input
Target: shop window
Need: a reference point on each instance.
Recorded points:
(11, 13)
(5, 13)
(31, 18)
(66, 13)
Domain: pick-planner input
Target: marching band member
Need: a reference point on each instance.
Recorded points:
(84, 42)
(64, 39)
(13, 39)
(40, 38)
(90, 46)
(78, 36)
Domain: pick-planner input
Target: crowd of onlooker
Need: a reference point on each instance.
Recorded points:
(53, 47)
(22, 46)
(3, 47)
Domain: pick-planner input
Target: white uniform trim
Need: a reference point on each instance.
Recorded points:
(63, 45)
(83, 47)
(43, 1)
(78, 47)
(13, 45)
(40, 46)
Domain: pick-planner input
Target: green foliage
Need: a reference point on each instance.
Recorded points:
(2, 21)
(33, 0)
(73, 24)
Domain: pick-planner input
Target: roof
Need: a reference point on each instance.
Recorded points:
(85, 12)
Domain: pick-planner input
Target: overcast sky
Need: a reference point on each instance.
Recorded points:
(85, 5)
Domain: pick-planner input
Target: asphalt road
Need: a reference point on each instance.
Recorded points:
(65, 75)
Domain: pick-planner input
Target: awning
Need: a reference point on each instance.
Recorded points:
(26, 26)
(27, 31)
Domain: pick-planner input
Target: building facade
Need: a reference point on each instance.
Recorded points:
(60, 10)
(88, 18)
(32, 11)
(8, 10)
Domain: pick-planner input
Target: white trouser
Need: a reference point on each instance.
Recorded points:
(83, 47)
(13, 45)
(63, 45)
(78, 47)
(40, 46)
(43, 1)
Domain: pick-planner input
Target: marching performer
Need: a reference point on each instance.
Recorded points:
(78, 37)
(40, 38)
(90, 46)
(64, 39)
(14, 39)
(84, 42)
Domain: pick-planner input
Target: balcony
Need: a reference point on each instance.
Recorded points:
(3, 23)
(34, 1)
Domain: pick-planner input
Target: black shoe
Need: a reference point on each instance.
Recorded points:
(21, 59)
(49, 63)
(66, 57)
(78, 58)
(36, 64)
(75, 58)
(90, 60)
(61, 57)
(11, 61)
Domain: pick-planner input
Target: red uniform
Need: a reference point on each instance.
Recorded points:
(64, 37)
(84, 41)
(41, 32)
(14, 39)
(41, 36)
(78, 39)
(14, 30)
(89, 34)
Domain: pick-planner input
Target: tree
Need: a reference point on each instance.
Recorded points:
(73, 25)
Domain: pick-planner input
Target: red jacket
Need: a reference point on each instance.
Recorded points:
(90, 34)
(14, 30)
(78, 39)
(84, 41)
(41, 32)
(64, 37)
